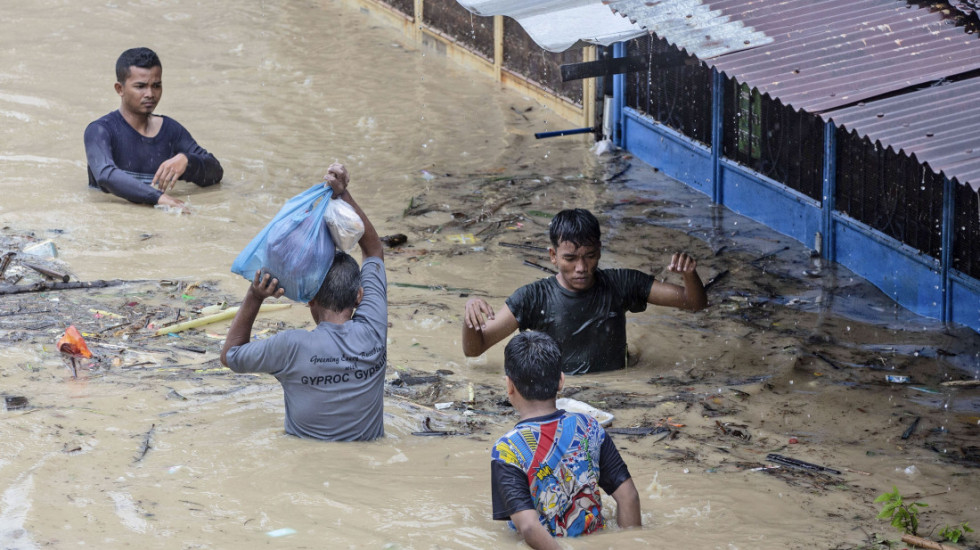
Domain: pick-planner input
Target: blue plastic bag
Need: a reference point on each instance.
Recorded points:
(295, 247)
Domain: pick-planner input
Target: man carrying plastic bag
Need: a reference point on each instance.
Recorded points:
(298, 245)
(332, 376)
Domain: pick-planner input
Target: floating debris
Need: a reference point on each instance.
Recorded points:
(145, 447)
(786, 461)
(392, 241)
(14, 402)
(911, 429)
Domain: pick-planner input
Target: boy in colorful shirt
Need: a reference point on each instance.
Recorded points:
(546, 473)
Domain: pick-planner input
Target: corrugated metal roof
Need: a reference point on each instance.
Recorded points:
(692, 25)
(821, 56)
(833, 53)
(830, 54)
(939, 126)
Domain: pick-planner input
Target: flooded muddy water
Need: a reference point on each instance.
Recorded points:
(155, 445)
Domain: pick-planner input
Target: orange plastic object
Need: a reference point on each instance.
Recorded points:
(73, 343)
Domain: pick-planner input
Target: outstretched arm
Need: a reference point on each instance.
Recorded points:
(263, 286)
(482, 328)
(627, 505)
(370, 243)
(691, 296)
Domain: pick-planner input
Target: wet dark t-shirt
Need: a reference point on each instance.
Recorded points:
(589, 326)
(123, 162)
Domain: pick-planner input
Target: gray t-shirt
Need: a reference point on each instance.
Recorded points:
(589, 326)
(332, 376)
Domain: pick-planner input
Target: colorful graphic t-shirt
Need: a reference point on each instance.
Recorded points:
(556, 465)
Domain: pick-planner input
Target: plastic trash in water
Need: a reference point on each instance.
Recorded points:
(572, 405)
(461, 238)
(897, 379)
(603, 147)
(43, 249)
(72, 343)
(14, 402)
(285, 531)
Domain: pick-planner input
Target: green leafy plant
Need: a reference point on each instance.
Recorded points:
(953, 533)
(904, 517)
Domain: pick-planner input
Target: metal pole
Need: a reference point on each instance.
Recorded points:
(946, 259)
(829, 189)
(557, 133)
(619, 97)
(717, 133)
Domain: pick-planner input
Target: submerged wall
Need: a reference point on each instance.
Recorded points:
(495, 46)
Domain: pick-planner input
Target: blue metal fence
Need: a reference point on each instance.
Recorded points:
(923, 282)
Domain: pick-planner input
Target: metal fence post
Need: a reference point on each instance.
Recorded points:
(949, 210)
(717, 133)
(829, 189)
(619, 97)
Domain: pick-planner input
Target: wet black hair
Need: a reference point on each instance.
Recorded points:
(339, 288)
(577, 226)
(532, 361)
(144, 58)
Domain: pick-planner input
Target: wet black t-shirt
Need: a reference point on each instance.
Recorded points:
(589, 326)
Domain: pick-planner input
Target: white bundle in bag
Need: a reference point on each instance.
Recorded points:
(346, 227)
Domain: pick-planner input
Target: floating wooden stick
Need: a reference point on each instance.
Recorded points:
(208, 319)
(911, 429)
(5, 261)
(44, 286)
(787, 461)
(145, 447)
(961, 383)
(926, 543)
(535, 265)
(50, 273)
(524, 246)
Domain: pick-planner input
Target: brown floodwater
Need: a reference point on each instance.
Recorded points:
(790, 356)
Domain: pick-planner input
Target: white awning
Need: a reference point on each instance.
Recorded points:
(691, 25)
(556, 25)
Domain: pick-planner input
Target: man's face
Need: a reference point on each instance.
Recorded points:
(142, 90)
(576, 265)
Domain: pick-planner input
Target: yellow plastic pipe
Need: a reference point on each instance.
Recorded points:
(208, 319)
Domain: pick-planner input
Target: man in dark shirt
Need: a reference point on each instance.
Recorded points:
(137, 155)
(582, 308)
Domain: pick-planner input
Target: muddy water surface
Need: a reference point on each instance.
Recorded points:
(154, 445)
